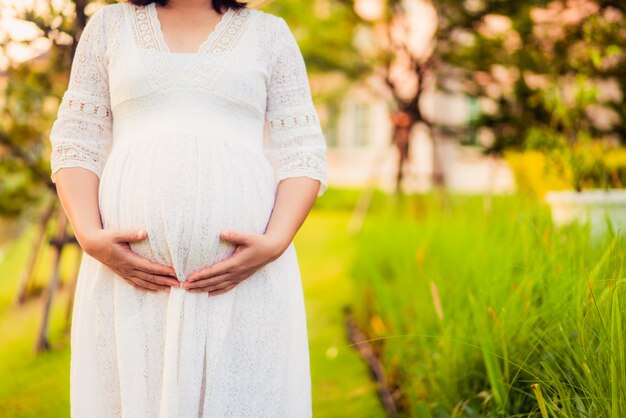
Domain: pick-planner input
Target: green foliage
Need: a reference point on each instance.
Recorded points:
(587, 163)
(324, 31)
(570, 149)
(493, 313)
(542, 73)
(30, 101)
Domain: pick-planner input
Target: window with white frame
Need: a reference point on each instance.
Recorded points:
(362, 124)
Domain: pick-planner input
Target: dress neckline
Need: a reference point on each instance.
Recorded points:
(195, 57)
(201, 65)
(157, 24)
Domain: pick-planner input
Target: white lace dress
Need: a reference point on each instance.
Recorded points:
(185, 149)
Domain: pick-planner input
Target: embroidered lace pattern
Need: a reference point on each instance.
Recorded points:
(147, 33)
(81, 134)
(222, 45)
(297, 144)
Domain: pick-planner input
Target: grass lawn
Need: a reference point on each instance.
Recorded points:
(38, 385)
(485, 309)
(341, 385)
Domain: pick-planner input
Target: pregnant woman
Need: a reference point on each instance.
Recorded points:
(187, 153)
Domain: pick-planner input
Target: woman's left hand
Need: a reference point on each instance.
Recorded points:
(252, 252)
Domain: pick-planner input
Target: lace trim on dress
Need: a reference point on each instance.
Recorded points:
(302, 156)
(297, 146)
(83, 107)
(227, 38)
(81, 134)
(220, 41)
(147, 32)
(292, 121)
(76, 155)
(209, 71)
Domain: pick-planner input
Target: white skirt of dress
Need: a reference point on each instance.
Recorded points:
(135, 353)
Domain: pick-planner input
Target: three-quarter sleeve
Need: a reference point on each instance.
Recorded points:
(81, 134)
(296, 145)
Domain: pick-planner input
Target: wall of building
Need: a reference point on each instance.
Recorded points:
(360, 153)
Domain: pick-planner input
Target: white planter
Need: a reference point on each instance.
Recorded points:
(589, 206)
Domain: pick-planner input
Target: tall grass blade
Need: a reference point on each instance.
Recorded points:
(618, 371)
(540, 401)
(490, 359)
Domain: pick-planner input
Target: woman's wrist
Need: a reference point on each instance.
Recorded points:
(87, 238)
(280, 241)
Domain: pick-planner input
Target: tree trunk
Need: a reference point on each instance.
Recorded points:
(401, 129)
(27, 273)
(58, 244)
(438, 174)
(72, 290)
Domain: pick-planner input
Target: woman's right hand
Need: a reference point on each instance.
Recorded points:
(110, 247)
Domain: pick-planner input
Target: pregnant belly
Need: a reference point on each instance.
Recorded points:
(184, 191)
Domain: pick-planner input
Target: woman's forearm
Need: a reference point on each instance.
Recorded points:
(77, 189)
(295, 197)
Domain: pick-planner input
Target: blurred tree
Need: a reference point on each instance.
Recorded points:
(396, 48)
(547, 70)
(373, 43)
(31, 93)
(550, 74)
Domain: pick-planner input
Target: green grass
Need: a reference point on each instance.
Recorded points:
(488, 310)
(341, 385)
(38, 385)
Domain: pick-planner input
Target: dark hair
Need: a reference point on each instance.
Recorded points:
(218, 5)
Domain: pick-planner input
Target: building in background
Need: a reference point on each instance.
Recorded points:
(358, 133)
